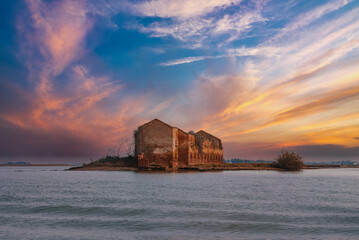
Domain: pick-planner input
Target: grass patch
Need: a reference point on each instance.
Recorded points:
(114, 161)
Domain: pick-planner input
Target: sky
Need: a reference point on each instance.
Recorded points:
(78, 77)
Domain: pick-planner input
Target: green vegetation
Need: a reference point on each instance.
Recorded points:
(128, 161)
(288, 160)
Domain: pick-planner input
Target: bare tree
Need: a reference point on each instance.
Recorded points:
(126, 148)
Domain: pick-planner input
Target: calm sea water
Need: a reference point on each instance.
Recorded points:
(48, 203)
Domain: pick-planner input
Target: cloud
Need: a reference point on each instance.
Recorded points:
(301, 49)
(18, 141)
(155, 50)
(180, 9)
(193, 24)
(318, 105)
(269, 51)
(237, 24)
(310, 16)
(83, 113)
(57, 30)
(60, 31)
(239, 52)
(307, 80)
(329, 150)
(205, 99)
(68, 107)
(310, 153)
(287, 87)
(185, 60)
(274, 87)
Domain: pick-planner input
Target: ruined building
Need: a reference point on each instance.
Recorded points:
(159, 144)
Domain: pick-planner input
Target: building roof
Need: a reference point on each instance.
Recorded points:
(191, 132)
(157, 120)
(202, 131)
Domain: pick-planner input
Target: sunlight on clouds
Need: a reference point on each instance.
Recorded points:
(269, 79)
(60, 31)
(341, 121)
(344, 135)
(79, 108)
(303, 79)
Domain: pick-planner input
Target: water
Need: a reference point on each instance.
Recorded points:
(48, 203)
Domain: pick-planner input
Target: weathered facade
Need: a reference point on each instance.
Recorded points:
(159, 144)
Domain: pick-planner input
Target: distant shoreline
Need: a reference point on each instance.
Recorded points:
(319, 166)
(35, 165)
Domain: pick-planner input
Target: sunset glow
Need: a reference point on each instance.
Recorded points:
(77, 77)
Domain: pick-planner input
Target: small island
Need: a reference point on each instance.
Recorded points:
(111, 163)
(161, 147)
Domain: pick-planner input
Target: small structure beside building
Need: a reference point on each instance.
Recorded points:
(159, 144)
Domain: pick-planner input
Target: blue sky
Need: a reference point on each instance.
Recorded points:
(77, 77)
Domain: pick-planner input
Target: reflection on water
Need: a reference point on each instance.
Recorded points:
(40, 203)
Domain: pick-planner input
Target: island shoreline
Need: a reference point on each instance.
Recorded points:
(202, 168)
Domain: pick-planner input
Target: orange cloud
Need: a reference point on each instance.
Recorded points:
(302, 91)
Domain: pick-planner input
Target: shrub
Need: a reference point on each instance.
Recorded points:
(129, 161)
(289, 160)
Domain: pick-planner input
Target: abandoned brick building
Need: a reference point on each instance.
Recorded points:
(159, 144)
